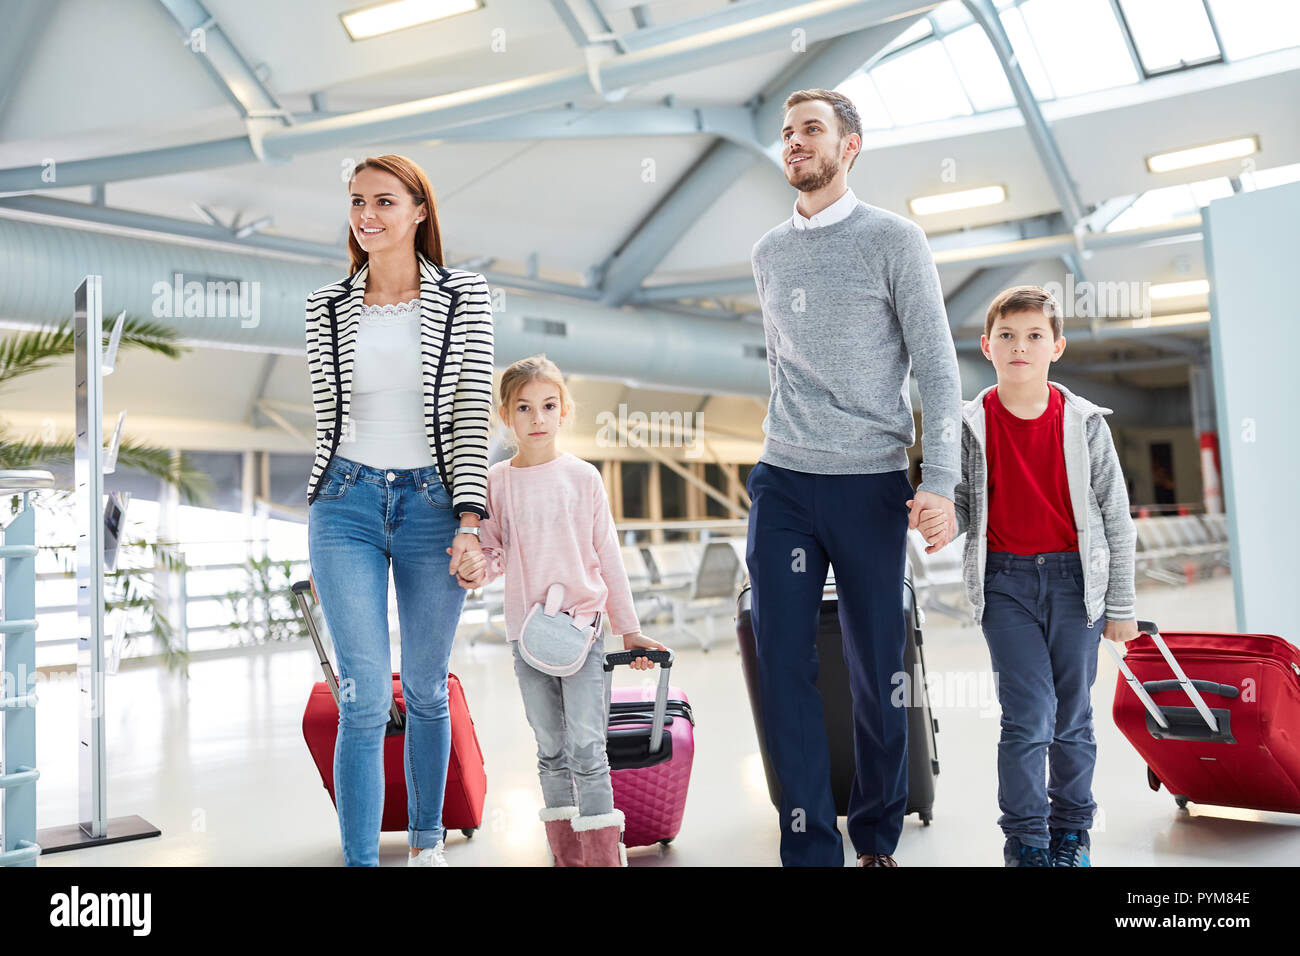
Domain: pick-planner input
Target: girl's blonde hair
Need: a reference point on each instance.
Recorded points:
(521, 373)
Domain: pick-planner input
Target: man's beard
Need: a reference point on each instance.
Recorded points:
(814, 179)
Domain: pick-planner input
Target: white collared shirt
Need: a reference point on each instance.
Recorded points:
(833, 213)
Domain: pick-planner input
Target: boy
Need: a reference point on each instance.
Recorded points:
(1049, 554)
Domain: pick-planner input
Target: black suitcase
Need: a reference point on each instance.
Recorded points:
(837, 702)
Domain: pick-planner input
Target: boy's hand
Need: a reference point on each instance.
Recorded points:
(932, 524)
(925, 501)
(472, 569)
(635, 639)
(1121, 632)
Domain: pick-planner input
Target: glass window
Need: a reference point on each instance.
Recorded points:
(871, 108)
(1248, 27)
(636, 481)
(1208, 189)
(950, 16)
(1170, 34)
(916, 31)
(672, 492)
(1080, 43)
(920, 86)
(1277, 176)
(715, 478)
(979, 68)
(1026, 54)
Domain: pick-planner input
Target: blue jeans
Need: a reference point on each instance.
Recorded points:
(363, 519)
(567, 715)
(1045, 661)
(798, 524)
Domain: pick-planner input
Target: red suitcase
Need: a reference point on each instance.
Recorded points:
(649, 771)
(1238, 745)
(462, 807)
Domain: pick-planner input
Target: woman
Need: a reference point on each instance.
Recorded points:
(400, 355)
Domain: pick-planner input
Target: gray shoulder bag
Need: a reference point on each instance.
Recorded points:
(553, 641)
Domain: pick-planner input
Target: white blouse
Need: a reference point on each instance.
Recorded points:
(386, 416)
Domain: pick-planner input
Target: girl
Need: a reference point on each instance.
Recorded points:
(557, 508)
(382, 487)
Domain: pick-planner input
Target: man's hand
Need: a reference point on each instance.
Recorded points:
(1121, 632)
(928, 501)
(933, 524)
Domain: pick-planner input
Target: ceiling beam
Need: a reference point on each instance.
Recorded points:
(237, 78)
(713, 45)
(969, 302)
(653, 238)
(1040, 134)
(24, 23)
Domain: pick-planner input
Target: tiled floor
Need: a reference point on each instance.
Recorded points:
(219, 765)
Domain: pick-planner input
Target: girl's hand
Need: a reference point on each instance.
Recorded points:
(933, 525)
(635, 640)
(472, 569)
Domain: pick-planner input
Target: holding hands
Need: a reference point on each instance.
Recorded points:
(471, 570)
(935, 517)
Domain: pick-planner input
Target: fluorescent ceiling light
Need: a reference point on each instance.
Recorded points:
(1157, 321)
(950, 202)
(1177, 290)
(398, 15)
(1200, 155)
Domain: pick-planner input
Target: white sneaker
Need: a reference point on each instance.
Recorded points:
(431, 856)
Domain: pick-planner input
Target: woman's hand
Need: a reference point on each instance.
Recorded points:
(472, 568)
(462, 544)
(634, 640)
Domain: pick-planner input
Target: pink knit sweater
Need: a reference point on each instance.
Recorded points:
(566, 535)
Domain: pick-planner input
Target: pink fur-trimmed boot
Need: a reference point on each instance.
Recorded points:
(602, 839)
(566, 848)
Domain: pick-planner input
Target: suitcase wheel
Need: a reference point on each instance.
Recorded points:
(926, 816)
(1181, 801)
(468, 833)
(666, 842)
(1152, 780)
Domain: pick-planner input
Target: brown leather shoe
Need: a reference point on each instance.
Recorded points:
(876, 859)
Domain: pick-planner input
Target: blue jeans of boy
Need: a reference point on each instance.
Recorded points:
(798, 524)
(364, 519)
(1045, 661)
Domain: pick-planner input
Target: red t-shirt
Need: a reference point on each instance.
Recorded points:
(1029, 496)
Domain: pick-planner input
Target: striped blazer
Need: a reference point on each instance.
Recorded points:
(457, 365)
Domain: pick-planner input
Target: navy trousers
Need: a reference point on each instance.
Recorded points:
(1044, 656)
(798, 523)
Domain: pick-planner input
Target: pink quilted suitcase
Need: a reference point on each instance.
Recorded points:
(650, 776)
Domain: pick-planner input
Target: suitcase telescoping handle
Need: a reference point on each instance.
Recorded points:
(1189, 686)
(396, 720)
(665, 661)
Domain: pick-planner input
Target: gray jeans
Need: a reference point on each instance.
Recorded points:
(567, 715)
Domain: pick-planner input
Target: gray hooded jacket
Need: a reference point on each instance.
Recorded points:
(1098, 495)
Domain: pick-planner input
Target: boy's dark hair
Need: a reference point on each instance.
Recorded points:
(1025, 298)
(846, 114)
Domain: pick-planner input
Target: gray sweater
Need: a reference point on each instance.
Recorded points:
(848, 309)
(1098, 495)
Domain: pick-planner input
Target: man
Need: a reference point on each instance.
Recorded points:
(851, 301)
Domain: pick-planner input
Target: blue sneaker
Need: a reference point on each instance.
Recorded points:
(1070, 848)
(1015, 853)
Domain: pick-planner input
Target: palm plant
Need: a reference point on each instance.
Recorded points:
(33, 351)
(28, 352)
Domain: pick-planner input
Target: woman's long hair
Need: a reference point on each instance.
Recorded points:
(428, 234)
